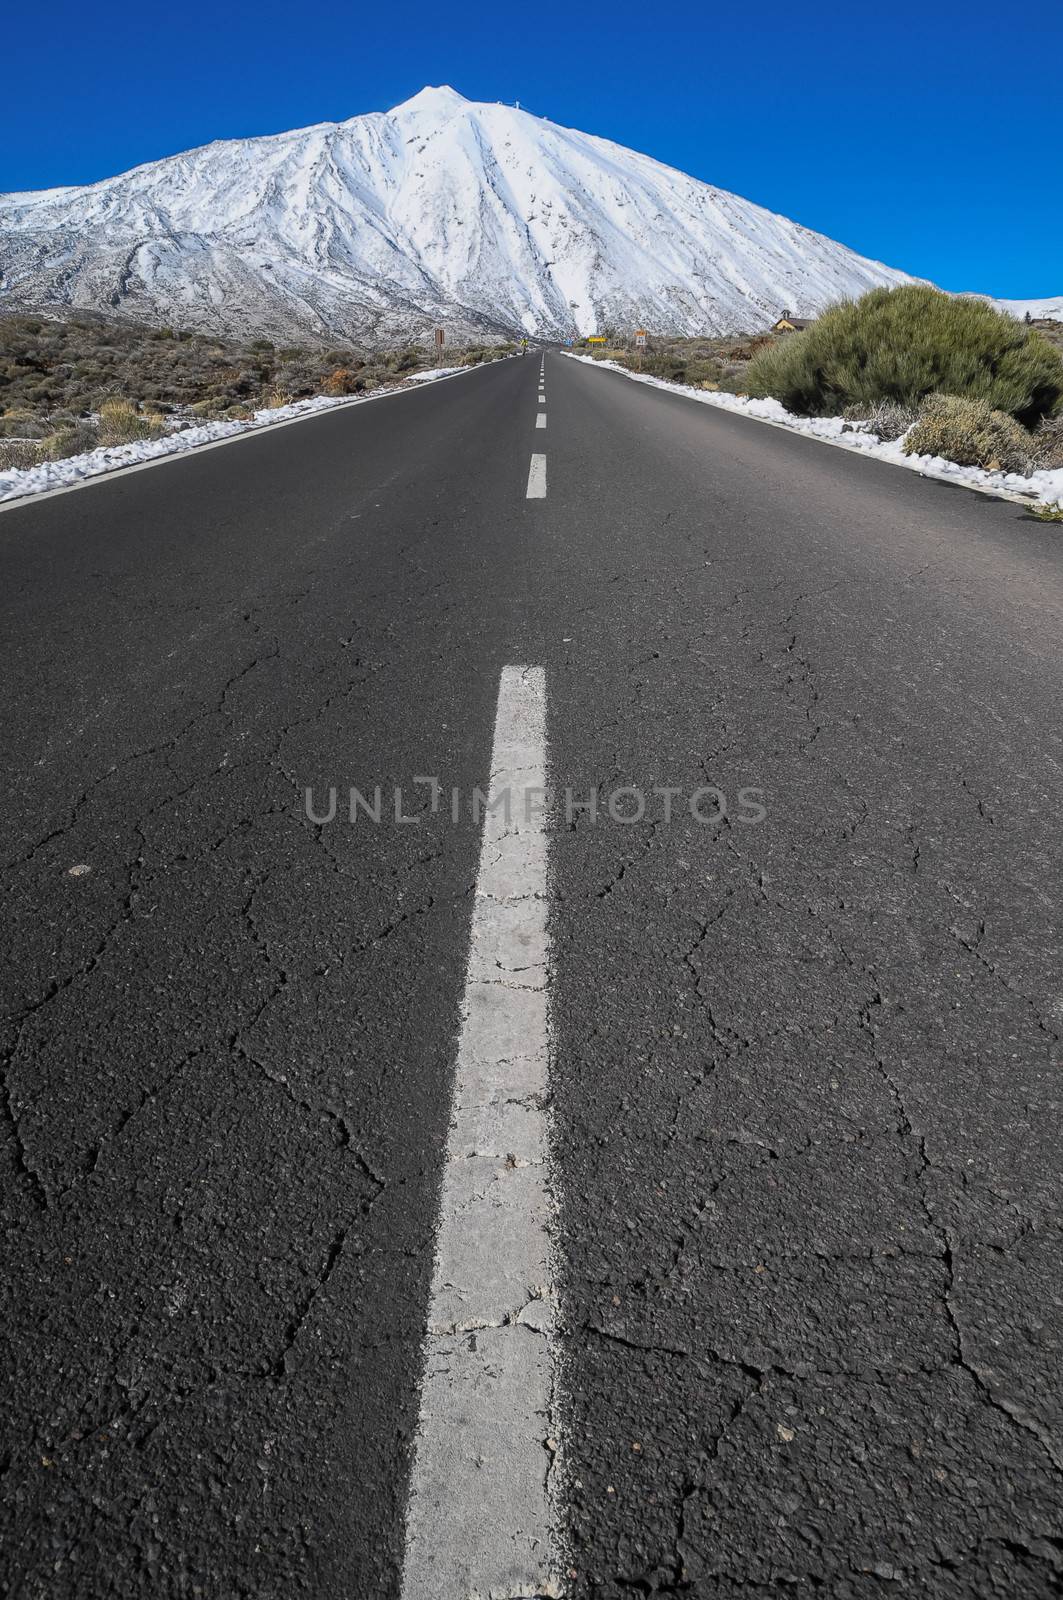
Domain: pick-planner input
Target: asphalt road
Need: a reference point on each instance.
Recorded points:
(804, 1077)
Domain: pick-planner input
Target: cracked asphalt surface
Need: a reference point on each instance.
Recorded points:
(806, 1078)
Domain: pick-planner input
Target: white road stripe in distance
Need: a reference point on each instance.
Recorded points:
(540, 421)
(480, 1520)
(537, 478)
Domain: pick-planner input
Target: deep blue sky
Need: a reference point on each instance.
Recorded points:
(926, 135)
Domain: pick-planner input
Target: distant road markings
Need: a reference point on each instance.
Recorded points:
(540, 421)
(480, 1519)
(537, 479)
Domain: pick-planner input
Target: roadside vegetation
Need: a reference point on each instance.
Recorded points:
(948, 376)
(953, 376)
(901, 345)
(69, 386)
(701, 363)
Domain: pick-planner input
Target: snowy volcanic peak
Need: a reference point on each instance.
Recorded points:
(442, 210)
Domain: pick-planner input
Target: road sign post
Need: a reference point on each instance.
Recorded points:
(640, 343)
(439, 338)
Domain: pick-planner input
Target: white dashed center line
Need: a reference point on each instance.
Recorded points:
(480, 1520)
(540, 421)
(537, 478)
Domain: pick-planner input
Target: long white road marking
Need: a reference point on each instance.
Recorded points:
(537, 479)
(540, 421)
(480, 1520)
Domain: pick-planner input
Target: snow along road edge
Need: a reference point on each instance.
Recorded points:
(1042, 486)
(480, 1520)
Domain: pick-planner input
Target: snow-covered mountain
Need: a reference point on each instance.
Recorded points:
(1052, 307)
(476, 216)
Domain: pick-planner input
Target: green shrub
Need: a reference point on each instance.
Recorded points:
(122, 423)
(969, 433)
(903, 344)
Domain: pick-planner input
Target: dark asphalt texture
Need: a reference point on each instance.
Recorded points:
(806, 1088)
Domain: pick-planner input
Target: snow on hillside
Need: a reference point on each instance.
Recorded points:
(477, 216)
(1052, 307)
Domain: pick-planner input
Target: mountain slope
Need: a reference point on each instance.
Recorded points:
(1052, 307)
(475, 215)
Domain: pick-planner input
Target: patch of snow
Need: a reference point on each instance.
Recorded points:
(16, 483)
(1052, 307)
(1046, 487)
(434, 372)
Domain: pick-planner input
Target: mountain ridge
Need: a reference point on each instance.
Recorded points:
(478, 216)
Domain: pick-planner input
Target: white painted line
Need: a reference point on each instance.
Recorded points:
(480, 1521)
(540, 421)
(537, 479)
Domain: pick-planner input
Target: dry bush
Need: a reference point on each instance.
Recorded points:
(18, 454)
(122, 423)
(969, 433)
(1047, 443)
(77, 440)
(342, 381)
(887, 419)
